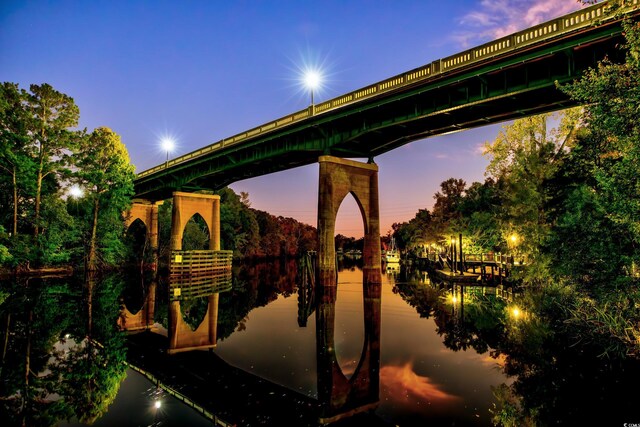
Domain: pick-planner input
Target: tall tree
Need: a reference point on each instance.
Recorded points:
(52, 115)
(107, 174)
(14, 160)
(525, 155)
(445, 209)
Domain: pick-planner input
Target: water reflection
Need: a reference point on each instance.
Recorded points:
(283, 350)
(339, 396)
(62, 355)
(183, 290)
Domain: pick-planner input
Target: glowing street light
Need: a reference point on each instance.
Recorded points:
(168, 145)
(157, 404)
(312, 81)
(76, 192)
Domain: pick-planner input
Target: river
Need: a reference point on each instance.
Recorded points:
(272, 351)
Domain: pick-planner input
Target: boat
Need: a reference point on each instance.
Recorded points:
(392, 255)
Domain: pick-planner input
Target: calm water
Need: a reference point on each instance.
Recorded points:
(268, 350)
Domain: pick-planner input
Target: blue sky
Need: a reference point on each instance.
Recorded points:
(201, 71)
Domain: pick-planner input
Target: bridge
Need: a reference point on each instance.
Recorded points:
(508, 78)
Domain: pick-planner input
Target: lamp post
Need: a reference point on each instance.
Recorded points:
(312, 81)
(168, 146)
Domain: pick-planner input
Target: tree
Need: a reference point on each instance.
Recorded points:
(525, 155)
(107, 175)
(480, 210)
(445, 210)
(611, 147)
(51, 115)
(238, 226)
(14, 160)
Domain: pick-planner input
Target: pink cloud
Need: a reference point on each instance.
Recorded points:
(493, 19)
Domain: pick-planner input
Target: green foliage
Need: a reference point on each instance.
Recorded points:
(51, 115)
(238, 226)
(39, 156)
(525, 156)
(196, 234)
(446, 207)
(610, 150)
(107, 176)
(480, 211)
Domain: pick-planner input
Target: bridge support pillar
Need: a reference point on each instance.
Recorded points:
(339, 177)
(185, 205)
(147, 212)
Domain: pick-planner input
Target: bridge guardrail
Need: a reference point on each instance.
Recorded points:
(547, 30)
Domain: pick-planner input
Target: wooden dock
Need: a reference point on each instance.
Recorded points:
(457, 277)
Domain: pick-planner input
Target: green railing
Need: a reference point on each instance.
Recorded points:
(539, 33)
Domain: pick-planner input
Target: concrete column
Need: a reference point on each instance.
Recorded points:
(154, 226)
(339, 177)
(214, 244)
(185, 205)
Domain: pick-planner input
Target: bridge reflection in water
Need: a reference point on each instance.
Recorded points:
(223, 392)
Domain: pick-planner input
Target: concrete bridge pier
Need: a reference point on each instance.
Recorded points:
(185, 205)
(339, 177)
(147, 212)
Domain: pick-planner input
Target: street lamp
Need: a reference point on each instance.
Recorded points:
(76, 192)
(167, 145)
(312, 81)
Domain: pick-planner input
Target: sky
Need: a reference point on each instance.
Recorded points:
(202, 70)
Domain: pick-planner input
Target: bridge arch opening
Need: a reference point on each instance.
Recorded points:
(349, 325)
(193, 311)
(137, 238)
(132, 297)
(196, 234)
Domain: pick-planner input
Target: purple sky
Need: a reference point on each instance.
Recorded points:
(200, 71)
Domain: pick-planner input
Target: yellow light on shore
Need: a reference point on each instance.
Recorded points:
(515, 312)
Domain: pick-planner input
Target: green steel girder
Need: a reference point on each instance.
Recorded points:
(507, 87)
